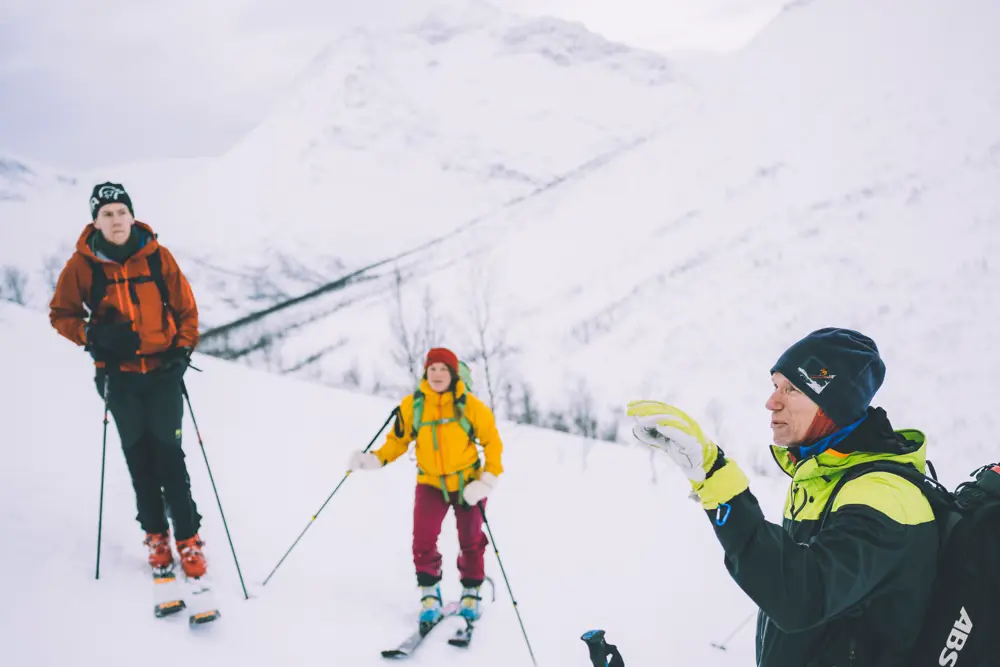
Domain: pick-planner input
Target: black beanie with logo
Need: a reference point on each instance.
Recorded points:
(109, 193)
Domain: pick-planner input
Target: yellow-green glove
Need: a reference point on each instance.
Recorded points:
(673, 431)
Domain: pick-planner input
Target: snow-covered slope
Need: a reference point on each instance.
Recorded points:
(405, 127)
(567, 516)
(19, 179)
(841, 170)
(400, 132)
(819, 181)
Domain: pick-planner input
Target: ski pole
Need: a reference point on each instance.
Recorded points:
(313, 519)
(215, 490)
(722, 645)
(506, 581)
(100, 507)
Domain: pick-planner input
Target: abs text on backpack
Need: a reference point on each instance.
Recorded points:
(963, 618)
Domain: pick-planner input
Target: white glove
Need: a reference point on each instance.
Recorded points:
(478, 489)
(674, 432)
(364, 461)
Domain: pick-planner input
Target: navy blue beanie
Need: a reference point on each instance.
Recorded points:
(839, 369)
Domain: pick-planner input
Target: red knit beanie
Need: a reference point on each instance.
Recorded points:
(442, 355)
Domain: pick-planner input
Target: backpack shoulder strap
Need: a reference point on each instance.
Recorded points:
(418, 412)
(98, 285)
(155, 261)
(462, 419)
(938, 496)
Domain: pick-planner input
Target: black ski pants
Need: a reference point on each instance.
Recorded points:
(148, 410)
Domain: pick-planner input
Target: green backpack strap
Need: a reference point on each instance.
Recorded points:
(462, 419)
(418, 412)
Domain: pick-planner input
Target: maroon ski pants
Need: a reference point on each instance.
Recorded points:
(429, 510)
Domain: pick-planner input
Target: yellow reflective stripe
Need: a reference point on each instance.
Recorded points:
(890, 494)
(725, 484)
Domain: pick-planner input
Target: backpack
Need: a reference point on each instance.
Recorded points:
(418, 413)
(465, 375)
(963, 618)
(463, 421)
(99, 283)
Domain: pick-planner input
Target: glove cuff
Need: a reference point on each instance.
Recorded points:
(723, 484)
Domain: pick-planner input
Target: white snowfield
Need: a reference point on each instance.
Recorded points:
(679, 224)
(587, 539)
(842, 170)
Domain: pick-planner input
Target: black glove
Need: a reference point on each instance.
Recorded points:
(112, 342)
(177, 356)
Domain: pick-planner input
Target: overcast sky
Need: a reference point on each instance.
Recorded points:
(99, 82)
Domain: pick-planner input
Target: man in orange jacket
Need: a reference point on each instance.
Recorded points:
(141, 330)
(445, 420)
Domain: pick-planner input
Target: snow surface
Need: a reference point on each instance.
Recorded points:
(586, 537)
(816, 181)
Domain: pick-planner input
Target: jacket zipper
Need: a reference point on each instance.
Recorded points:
(805, 499)
(440, 439)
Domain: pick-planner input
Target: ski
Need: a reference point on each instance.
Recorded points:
(203, 607)
(167, 597)
(170, 597)
(406, 648)
(463, 636)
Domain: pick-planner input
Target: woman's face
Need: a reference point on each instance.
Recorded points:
(439, 377)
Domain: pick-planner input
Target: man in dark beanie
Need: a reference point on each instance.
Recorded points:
(123, 298)
(854, 590)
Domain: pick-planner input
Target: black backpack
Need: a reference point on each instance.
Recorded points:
(963, 619)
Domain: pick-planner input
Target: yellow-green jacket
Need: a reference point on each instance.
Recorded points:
(446, 456)
(853, 594)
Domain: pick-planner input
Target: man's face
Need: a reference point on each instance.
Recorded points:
(792, 412)
(115, 222)
(439, 377)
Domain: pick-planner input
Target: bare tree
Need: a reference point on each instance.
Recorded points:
(509, 400)
(406, 344)
(410, 343)
(15, 285)
(432, 323)
(52, 267)
(557, 421)
(352, 376)
(488, 337)
(528, 413)
(581, 411)
(609, 432)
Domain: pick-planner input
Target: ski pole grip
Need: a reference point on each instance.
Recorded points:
(597, 647)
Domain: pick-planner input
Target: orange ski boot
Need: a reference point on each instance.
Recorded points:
(160, 556)
(192, 557)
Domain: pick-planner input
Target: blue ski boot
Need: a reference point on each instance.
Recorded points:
(469, 609)
(430, 607)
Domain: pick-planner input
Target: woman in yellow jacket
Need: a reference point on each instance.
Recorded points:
(449, 475)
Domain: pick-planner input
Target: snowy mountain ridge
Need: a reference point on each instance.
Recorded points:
(799, 184)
